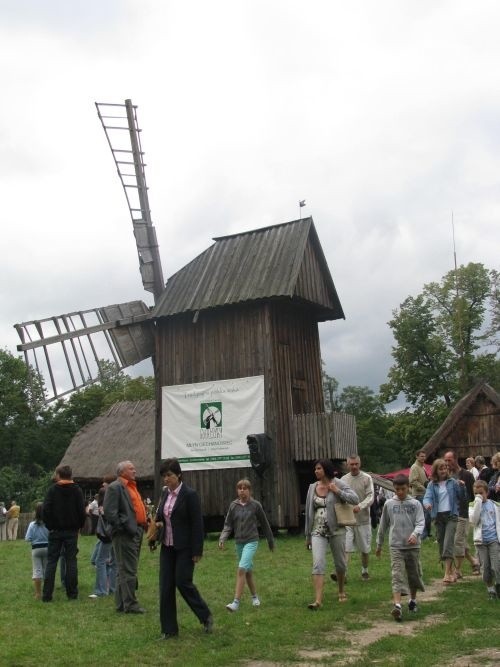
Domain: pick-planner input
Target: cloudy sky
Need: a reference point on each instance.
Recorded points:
(384, 116)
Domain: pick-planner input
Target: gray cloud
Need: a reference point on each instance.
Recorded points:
(383, 116)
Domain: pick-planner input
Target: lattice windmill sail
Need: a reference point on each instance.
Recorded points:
(65, 350)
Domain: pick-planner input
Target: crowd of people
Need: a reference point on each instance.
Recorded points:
(452, 498)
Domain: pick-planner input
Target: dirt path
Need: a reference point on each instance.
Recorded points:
(346, 656)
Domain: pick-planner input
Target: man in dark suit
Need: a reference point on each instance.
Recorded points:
(125, 512)
(179, 512)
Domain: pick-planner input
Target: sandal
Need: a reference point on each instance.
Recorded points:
(476, 569)
(448, 580)
(314, 606)
(342, 597)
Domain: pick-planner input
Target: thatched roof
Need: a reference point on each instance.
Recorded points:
(125, 432)
(282, 261)
(459, 411)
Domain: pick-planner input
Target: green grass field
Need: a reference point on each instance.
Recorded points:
(458, 622)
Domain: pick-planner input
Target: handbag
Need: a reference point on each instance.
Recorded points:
(103, 530)
(345, 515)
(155, 534)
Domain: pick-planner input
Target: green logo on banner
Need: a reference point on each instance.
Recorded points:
(210, 415)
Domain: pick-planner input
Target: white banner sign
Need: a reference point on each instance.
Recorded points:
(205, 425)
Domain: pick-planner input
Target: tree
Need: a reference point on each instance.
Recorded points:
(378, 448)
(492, 333)
(438, 334)
(21, 396)
(330, 388)
(134, 389)
(412, 428)
(34, 436)
(27, 489)
(361, 402)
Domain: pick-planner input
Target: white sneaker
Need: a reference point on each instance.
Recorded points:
(255, 602)
(233, 606)
(93, 596)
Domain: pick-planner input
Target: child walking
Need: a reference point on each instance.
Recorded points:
(485, 517)
(404, 517)
(38, 535)
(243, 518)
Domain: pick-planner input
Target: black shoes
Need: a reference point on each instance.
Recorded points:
(136, 610)
(168, 635)
(208, 625)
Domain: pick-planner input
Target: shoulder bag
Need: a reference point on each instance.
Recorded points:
(345, 515)
(103, 530)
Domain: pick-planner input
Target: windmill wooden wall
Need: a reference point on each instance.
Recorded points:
(250, 305)
(272, 339)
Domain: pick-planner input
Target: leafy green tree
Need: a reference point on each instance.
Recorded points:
(134, 389)
(21, 396)
(26, 488)
(378, 448)
(438, 334)
(361, 402)
(492, 333)
(412, 428)
(330, 388)
(34, 436)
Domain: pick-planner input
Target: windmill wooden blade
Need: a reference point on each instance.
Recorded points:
(66, 350)
(123, 134)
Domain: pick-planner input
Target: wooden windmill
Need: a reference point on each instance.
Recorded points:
(247, 307)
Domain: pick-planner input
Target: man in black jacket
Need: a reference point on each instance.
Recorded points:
(64, 515)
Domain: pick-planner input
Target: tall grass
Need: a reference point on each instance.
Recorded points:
(89, 632)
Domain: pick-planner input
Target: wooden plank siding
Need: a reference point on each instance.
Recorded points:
(312, 284)
(472, 427)
(323, 435)
(276, 339)
(250, 305)
(477, 432)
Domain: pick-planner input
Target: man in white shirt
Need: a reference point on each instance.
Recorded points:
(359, 537)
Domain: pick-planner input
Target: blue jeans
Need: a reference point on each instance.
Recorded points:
(105, 575)
(59, 540)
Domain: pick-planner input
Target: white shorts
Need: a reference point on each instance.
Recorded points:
(358, 538)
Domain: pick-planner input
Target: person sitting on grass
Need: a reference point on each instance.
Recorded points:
(485, 517)
(243, 518)
(404, 517)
